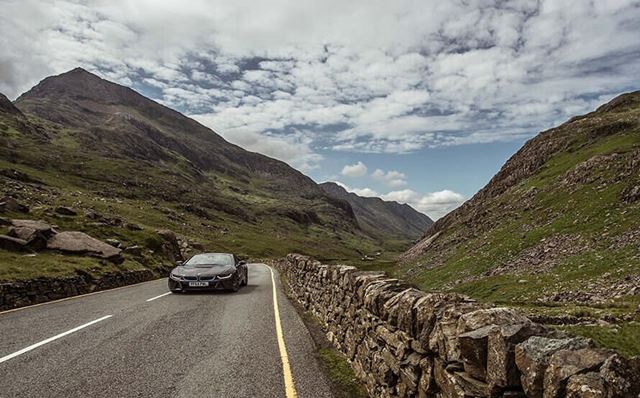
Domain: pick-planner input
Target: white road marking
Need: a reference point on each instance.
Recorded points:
(289, 387)
(157, 297)
(50, 339)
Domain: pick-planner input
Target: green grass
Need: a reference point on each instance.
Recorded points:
(624, 338)
(16, 266)
(340, 373)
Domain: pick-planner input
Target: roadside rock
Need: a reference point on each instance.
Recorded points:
(65, 211)
(35, 233)
(135, 251)
(10, 204)
(532, 358)
(80, 243)
(11, 243)
(133, 227)
(170, 246)
(114, 242)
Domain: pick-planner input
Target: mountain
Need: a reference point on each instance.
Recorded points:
(382, 218)
(559, 224)
(81, 141)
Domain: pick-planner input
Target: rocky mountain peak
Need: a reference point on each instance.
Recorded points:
(80, 84)
(6, 106)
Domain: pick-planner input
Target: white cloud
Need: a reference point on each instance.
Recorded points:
(392, 178)
(364, 192)
(431, 73)
(354, 170)
(434, 204)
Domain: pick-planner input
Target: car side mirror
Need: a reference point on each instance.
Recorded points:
(179, 263)
(242, 262)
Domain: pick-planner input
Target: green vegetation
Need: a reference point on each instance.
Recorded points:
(341, 374)
(622, 338)
(555, 233)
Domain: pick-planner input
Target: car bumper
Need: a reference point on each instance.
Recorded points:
(211, 285)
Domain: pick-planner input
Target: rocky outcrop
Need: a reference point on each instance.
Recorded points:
(10, 204)
(403, 342)
(80, 243)
(170, 247)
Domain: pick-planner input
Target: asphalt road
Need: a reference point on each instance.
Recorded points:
(176, 345)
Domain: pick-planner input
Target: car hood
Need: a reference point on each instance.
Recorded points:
(204, 271)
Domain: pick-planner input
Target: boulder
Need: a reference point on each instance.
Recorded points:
(566, 363)
(65, 211)
(135, 251)
(35, 239)
(170, 246)
(133, 227)
(37, 225)
(11, 243)
(114, 243)
(533, 355)
(80, 243)
(10, 204)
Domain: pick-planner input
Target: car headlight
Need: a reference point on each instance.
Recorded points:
(176, 277)
(225, 276)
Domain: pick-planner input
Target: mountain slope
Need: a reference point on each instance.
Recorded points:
(382, 218)
(79, 140)
(560, 222)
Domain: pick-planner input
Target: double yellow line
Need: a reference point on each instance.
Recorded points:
(289, 387)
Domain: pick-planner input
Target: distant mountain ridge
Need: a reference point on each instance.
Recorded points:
(382, 218)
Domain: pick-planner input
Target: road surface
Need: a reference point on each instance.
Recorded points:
(139, 341)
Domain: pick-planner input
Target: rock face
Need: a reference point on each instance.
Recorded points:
(402, 342)
(80, 243)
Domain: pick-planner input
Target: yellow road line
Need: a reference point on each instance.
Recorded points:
(289, 387)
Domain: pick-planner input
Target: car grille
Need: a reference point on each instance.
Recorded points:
(207, 278)
(190, 278)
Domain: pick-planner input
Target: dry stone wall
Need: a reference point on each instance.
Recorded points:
(402, 342)
(14, 294)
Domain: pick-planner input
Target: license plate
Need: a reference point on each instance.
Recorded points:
(198, 284)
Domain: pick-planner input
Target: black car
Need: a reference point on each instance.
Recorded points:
(209, 271)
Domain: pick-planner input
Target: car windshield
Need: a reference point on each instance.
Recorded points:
(209, 260)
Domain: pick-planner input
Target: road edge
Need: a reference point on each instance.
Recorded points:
(333, 364)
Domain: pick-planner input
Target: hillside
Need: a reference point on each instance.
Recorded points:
(557, 230)
(127, 166)
(382, 218)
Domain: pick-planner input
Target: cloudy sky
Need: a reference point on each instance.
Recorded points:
(416, 101)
